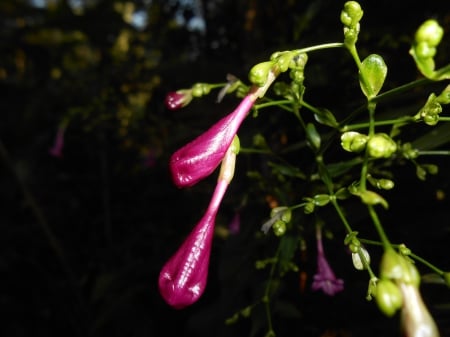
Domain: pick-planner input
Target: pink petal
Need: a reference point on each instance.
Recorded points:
(199, 158)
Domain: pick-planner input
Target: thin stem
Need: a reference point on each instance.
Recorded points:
(341, 215)
(376, 221)
(433, 153)
(402, 120)
(428, 264)
(322, 46)
(266, 297)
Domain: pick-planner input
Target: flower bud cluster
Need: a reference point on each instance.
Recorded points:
(398, 289)
(380, 145)
(429, 113)
(427, 38)
(280, 217)
(179, 99)
(350, 17)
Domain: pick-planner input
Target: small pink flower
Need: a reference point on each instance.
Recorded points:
(324, 278)
(183, 278)
(199, 158)
(56, 149)
(178, 99)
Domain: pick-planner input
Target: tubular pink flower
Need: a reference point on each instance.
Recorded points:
(56, 149)
(183, 278)
(324, 278)
(199, 158)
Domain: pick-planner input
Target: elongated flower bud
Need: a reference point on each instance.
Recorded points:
(178, 99)
(183, 278)
(199, 158)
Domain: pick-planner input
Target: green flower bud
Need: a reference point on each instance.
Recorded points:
(372, 198)
(309, 208)
(384, 184)
(353, 141)
(381, 146)
(430, 32)
(431, 119)
(259, 73)
(397, 267)
(372, 75)
(282, 59)
(409, 152)
(388, 297)
(279, 227)
(321, 199)
(200, 89)
(351, 14)
(424, 50)
(297, 75)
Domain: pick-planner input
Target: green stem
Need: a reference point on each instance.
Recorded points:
(400, 89)
(266, 297)
(376, 221)
(402, 120)
(428, 264)
(321, 46)
(414, 256)
(434, 153)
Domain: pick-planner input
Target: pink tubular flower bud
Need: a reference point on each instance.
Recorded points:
(178, 99)
(199, 158)
(183, 278)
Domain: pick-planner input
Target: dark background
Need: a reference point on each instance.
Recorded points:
(83, 237)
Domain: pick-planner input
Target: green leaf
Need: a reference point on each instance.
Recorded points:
(372, 75)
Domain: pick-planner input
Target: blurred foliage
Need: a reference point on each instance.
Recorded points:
(83, 237)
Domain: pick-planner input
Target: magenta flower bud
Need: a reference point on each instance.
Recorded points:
(58, 145)
(177, 99)
(183, 278)
(199, 158)
(324, 278)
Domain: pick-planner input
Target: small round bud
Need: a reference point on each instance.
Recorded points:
(178, 99)
(321, 199)
(282, 59)
(424, 50)
(353, 141)
(388, 297)
(279, 227)
(259, 73)
(352, 13)
(381, 146)
(430, 32)
(200, 89)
